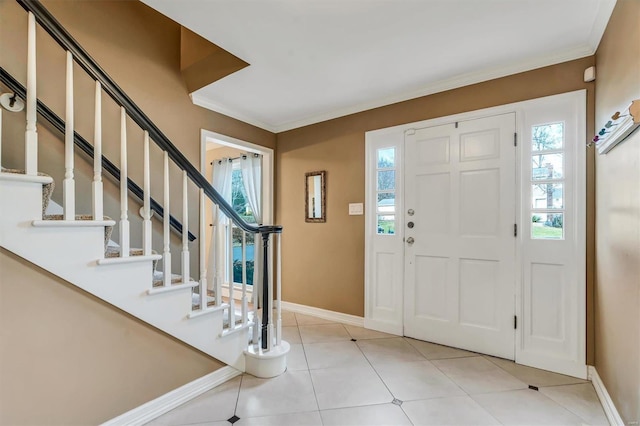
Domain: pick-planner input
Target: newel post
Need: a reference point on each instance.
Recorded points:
(266, 306)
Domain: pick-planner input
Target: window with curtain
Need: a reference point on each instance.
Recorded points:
(241, 205)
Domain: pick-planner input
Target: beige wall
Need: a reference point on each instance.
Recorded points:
(202, 62)
(617, 302)
(323, 263)
(67, 358)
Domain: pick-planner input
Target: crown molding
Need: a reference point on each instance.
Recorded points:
(437, 87)
(204, 102)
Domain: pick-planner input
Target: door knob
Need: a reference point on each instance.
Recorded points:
(410, 240)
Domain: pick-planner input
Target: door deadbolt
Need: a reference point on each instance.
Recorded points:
(410, 225)
(410, 212)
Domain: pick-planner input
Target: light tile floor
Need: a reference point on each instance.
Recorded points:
(344, 375)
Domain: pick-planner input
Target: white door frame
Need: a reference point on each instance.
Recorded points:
(390, 319)
(268, 159)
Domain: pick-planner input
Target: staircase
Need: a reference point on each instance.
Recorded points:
(76, 247)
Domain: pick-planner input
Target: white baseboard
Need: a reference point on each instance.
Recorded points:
(323, 313)
(607, 403)
(167, 402)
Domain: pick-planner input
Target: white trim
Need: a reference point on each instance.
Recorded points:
(607, 403)
(19, 177)
(172, 287)
(430, 89)
(77, 223)
(167, 402)
(128, 259)
(237, 328)
(206, 311)
(203, 102)
(323, 313)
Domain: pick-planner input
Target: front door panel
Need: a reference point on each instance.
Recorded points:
(460, 247)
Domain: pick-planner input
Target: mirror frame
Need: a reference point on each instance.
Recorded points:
(323, 197)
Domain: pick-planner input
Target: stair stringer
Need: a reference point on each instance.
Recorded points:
(71, 254)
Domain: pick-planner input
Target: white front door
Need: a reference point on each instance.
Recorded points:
(466, 277)
(459, 217)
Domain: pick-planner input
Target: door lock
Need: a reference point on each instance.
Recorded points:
(410, 212)
(410, 240)
(410, 225)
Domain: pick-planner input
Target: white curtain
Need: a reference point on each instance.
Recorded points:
(251, 167)
(218, 247)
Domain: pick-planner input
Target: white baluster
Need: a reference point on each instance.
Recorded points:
(245, 302)
(232, 305)
(96, 188)
(217, 269)
(69, 185)
(279, 290)
(185, 229)
(124, 196)
(166, 260)
(146, 199)
(31, 135)
(203, 259)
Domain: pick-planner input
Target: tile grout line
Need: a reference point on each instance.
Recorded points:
(378, 374)
(313, 386)
(567, 408)
(471, 396)
(488, 358)
(235, 409)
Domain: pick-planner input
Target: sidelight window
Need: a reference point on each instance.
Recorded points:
(386, 191)
(547, 181)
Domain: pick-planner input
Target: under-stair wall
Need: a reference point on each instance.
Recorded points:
(69, 358)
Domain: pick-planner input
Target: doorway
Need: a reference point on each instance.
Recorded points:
(476, 231)
(230, 267)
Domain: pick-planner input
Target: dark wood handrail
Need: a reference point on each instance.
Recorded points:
(57, 122)
(91, 67)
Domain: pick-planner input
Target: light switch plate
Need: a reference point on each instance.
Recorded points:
(356, 209)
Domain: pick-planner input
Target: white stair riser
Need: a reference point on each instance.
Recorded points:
(71, 254)
(20, 203)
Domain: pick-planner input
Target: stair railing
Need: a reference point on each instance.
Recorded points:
(80, 142)
(268, 336)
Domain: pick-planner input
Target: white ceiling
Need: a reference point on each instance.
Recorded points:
(313, 60)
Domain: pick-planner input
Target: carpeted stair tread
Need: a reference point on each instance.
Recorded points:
(158, 278)
(112, 252)
(47, 188)
(195, 299)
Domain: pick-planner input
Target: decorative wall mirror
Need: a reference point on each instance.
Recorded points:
(315, 206)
